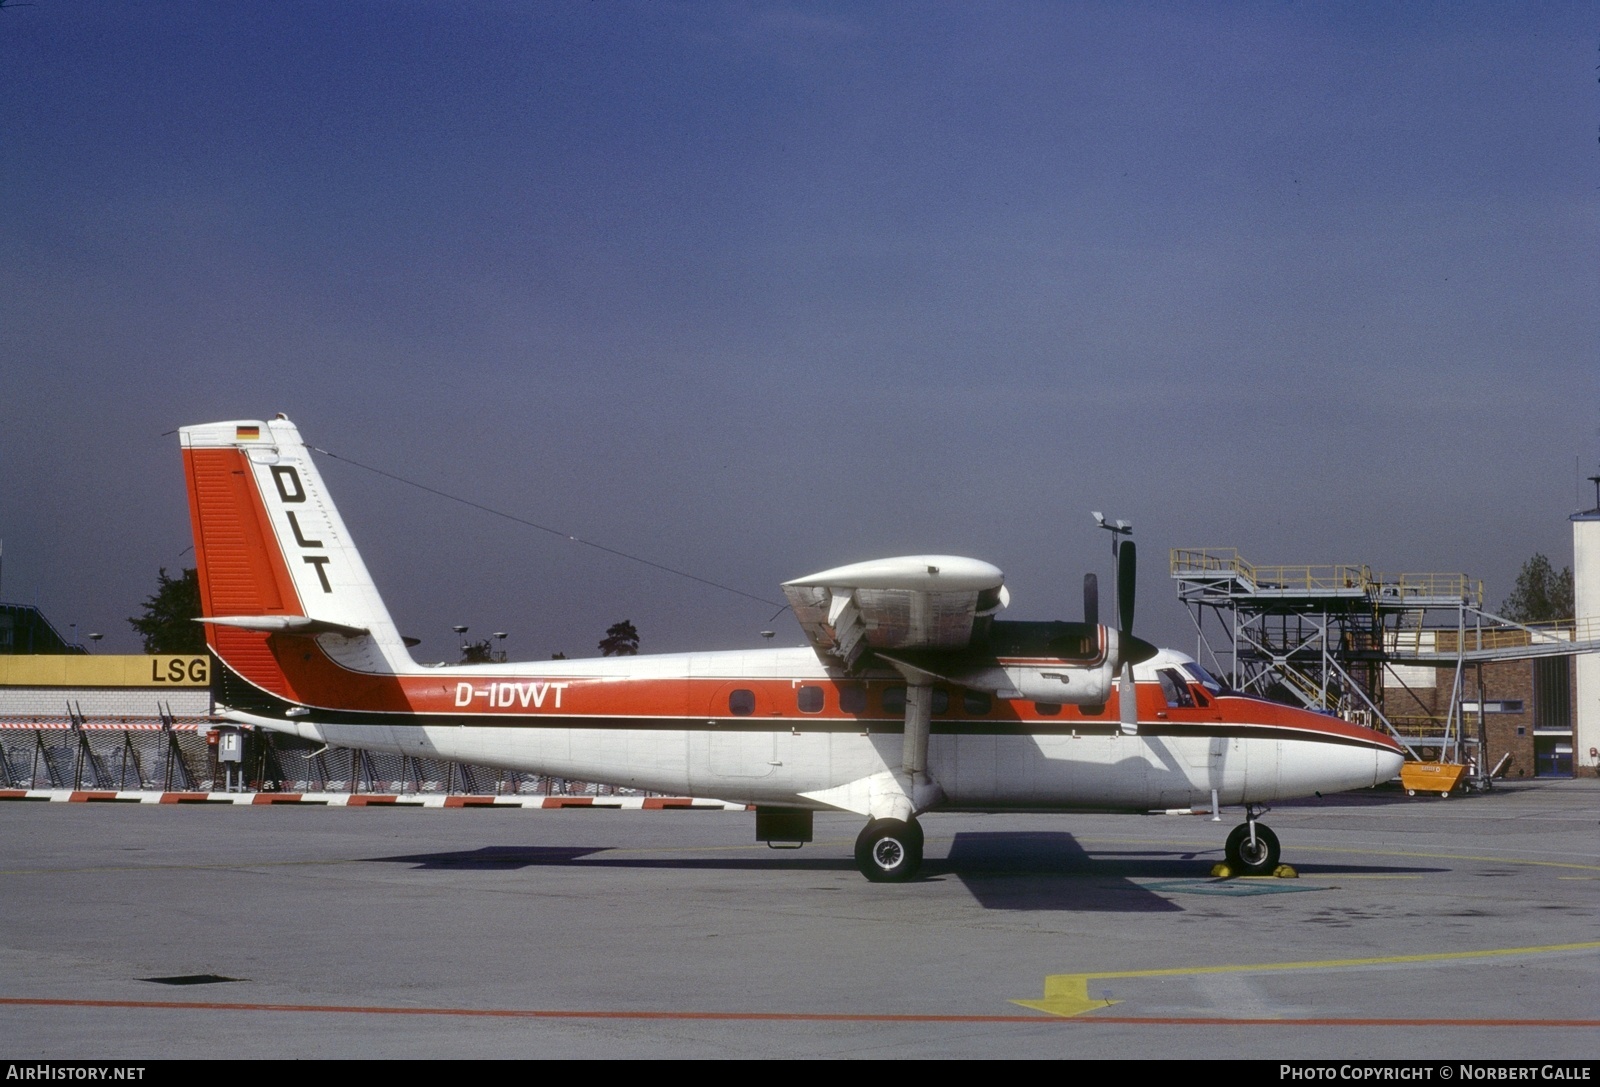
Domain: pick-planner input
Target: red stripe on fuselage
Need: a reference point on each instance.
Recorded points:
(622, 701)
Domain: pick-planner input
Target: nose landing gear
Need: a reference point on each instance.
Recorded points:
(1252, 848)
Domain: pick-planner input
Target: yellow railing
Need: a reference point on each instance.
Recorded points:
(1292, 578)
(1328, 578)
(1208, 560)
(1565, 630)
(1309, 691)
(1438, 586)
(1417, 724)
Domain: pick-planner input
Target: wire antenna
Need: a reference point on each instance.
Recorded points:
(569, 537)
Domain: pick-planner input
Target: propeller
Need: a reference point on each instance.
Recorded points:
(1091, 600)
(1130, 650)
(1127, 576)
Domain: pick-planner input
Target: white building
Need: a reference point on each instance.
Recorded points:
(1586, 605)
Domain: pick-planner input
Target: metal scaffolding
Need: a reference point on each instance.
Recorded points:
(1327, 637)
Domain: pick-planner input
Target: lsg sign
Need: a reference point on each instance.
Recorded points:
(190, 671)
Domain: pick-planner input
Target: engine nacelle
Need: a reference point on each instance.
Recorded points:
(1054, 682)
(1041, 662)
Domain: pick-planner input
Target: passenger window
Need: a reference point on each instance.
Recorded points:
(976, 703)
(853, 699)
(810, 699)
(741, 703)
(941, 700)
(1047, 709)
(894, 700)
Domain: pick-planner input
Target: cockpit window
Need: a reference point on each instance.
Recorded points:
(1176, 687)
(1206, 679)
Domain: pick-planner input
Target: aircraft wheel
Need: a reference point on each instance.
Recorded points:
(1258, 859)
(889, 850)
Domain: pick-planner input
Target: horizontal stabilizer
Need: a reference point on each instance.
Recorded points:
(286, 624)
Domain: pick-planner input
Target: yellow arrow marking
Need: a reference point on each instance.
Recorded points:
(1068, 994)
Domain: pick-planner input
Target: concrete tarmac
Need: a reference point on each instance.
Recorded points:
(1418, 928)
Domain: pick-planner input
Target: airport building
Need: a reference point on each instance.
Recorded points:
(70, 720)
(100, 725)
(1416, 655)
(1586, 669)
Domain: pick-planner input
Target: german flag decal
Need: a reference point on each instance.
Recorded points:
(246, 433)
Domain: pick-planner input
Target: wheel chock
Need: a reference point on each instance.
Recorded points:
(1285, 871)
(1221, 870)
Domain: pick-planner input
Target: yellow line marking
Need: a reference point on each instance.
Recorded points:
(1068, 994)
(1447, 857)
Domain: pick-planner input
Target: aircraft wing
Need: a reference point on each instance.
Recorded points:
(910, 602)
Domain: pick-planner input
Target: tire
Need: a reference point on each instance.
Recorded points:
(889, 850)
(1257, 861)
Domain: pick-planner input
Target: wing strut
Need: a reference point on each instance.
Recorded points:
(919, 722)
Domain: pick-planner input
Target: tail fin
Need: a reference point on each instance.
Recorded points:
(275, 559)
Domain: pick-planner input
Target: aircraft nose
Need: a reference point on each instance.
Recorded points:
(1389, 763)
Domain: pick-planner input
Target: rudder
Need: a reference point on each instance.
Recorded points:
(274, 557)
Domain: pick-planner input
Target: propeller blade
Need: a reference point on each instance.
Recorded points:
(1127, 701)
(1127, 574)
(1091, 600)
(1128, 647)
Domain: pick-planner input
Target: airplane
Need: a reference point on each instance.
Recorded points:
(911, 698)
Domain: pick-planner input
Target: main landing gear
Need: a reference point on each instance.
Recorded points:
(1252, 848)
(890, 850)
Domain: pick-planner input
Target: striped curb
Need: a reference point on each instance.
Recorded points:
(366, 800)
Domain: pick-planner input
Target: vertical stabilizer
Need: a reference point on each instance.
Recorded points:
(275, 559)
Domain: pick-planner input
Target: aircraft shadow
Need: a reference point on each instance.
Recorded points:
(1003, 871)
(496, 858)
(1047, 870)
(1393, 792)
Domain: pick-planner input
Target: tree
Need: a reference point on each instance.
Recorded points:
(482, 652)
(1541, 594)
(621, 640)
(168, 624)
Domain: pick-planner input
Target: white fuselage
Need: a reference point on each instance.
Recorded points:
(1059, 763)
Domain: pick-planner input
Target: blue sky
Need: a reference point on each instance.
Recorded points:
(758, 289)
